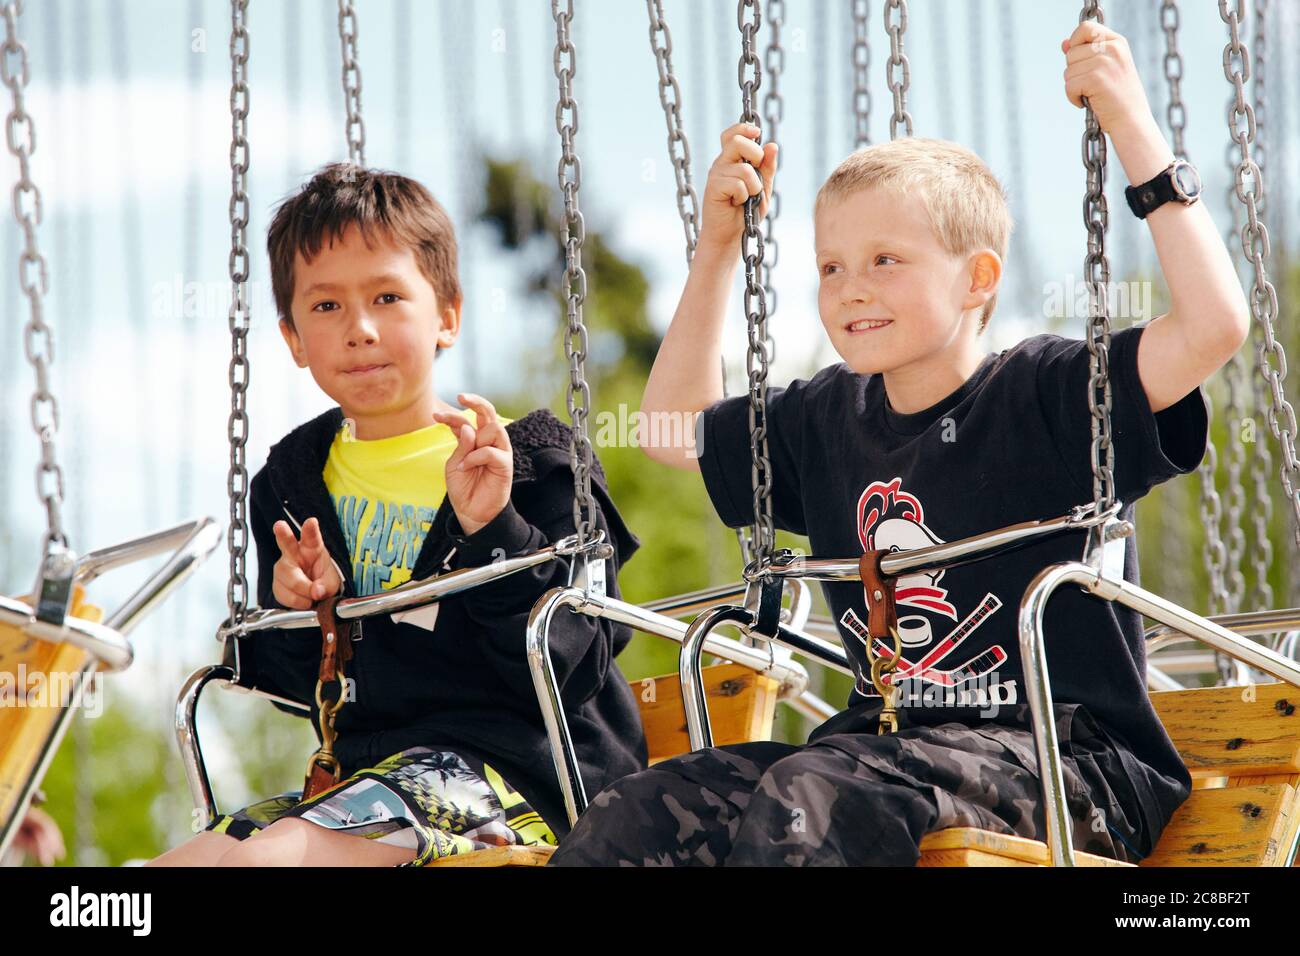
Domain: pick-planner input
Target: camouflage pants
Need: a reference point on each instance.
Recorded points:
(849, 799)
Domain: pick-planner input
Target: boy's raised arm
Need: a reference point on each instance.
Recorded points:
(1208, 317)
(687, 377)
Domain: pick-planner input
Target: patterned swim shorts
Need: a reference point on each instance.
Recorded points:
(437, 802)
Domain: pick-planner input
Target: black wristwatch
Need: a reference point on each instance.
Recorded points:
(1178, 182)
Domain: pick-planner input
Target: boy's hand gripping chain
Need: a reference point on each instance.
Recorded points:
(336, 650)
(882, 622)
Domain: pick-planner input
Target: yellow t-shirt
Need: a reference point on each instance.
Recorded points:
(386, 493)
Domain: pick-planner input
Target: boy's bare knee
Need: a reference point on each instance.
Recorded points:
(283, 843)
(204, 849)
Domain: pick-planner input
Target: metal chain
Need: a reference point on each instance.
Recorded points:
(1096, 271)
(238, 264)
(679, 152)
(575, 279)
(897, 8)
(33, 277)
(1255, 245)
(1258, 75)
(1214, 551)
(773, 113)
(1234, 379)
(861, 59)
(1234, 375)
(755, 301)
(1175, 112)
(355, 131)
(1261, 461)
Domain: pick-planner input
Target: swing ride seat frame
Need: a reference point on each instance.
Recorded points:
(698, 636)
(965, 846)
(749, 686)
(412, 594)
(88, 642)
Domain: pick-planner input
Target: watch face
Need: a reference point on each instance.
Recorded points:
(1186, 180)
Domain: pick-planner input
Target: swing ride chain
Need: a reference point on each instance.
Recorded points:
(897, 59)
(575, 279)
(33, 276)
(355, 131)
(1261, 461)
(773, 114)
(755, 304)
(1214, 552)
(679, 152)
(861, 72)
(1255, 244)
(1176, 113)
(1097, 276)
(237, 427)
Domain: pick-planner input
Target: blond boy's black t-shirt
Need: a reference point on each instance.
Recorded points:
(1011, 444)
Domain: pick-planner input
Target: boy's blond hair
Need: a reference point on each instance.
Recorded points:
(965, 203)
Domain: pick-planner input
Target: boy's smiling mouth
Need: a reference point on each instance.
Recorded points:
(867, 325)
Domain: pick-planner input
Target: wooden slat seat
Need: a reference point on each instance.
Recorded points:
(971, 846)
(741, 708)
(1241, 746)
(499, 856)
(25, 731)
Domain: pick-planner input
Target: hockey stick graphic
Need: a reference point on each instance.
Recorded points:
(980, 664)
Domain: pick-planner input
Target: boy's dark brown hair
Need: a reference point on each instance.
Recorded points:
(340, 195)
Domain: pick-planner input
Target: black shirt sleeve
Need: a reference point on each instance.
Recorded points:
(1147, 448)
(726, 462)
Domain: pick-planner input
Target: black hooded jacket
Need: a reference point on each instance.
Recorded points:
(466, 685)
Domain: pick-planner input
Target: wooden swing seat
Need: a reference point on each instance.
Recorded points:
(1241, 746)
(25, 730)
(741, 706)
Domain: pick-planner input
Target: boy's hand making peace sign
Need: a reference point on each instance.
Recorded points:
(305, 572)
(481, 469)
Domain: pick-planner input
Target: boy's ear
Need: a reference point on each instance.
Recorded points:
(291, 339)
(985, 275)
(449, 324)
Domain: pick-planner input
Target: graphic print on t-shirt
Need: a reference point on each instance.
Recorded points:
(383, 537)
(932, 668)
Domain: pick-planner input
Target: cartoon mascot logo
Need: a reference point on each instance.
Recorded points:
(890, 519)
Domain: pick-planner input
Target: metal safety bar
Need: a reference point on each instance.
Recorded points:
(937, 557)
(1249, 622)
(107, 642)
(411, 594)
(789, 674)
(1038, 687)
(187, 734)
(790, 566)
